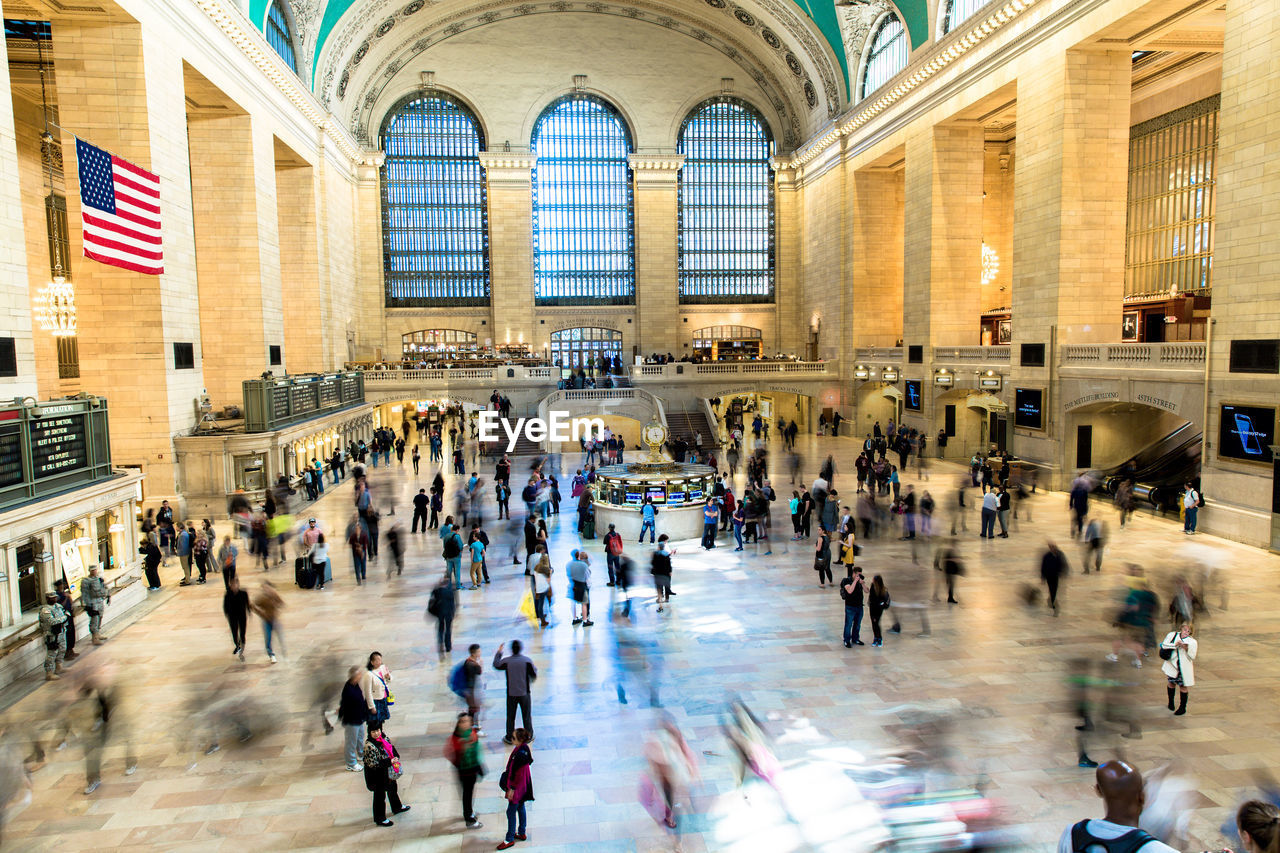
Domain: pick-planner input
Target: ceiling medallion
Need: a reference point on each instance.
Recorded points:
(744, 17)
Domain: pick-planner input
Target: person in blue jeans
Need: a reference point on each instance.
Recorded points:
(648, 512)
(990, 506)
(1190, 508)
(853, 591)
(518, 790)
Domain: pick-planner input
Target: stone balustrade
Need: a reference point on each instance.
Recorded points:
(1184, 355)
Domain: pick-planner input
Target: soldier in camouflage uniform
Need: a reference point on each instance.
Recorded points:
(53, 625)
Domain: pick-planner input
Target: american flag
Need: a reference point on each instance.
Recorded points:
(120, 207)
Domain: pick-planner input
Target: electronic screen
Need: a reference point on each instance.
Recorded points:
(912, 397)
(1028, 408)
(657, 494)
(676, 498)
(1247, 432)
(695, 495)
(634, 498)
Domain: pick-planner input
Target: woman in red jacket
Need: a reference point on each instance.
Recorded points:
(517, 785)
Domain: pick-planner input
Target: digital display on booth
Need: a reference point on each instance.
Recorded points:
(912, 395)
(695, 494)
(634, 498)
(1247, 432)
(1028, 408)
(676, 497)
(658, 495)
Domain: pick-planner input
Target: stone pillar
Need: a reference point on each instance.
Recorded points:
(1069, 197)
(229, 268)
(1246, 294)
(942, 264)
(361, 326)
(876, 202)
(792, 324)
(15, 298)
(509, 178)
(304, 305)
(658, 326)
(124, 92)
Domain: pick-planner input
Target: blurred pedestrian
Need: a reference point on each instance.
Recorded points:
(464, 753)
(443, 605)
(235, 606)
(268, 604)
(661, 571)
(672, 767)
(1053, 566)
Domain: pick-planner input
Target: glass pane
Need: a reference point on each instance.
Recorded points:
(888, 54)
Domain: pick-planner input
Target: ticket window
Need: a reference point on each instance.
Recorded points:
(250, 475)
(28, 574)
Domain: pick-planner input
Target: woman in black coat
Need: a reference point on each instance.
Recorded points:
(381, 769)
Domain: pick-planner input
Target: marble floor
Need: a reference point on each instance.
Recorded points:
(744, 624)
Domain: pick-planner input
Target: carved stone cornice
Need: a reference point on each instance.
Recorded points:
(655, 169)
(507, 161)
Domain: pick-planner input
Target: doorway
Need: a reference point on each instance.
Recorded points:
(1153, 328)
(998, 429)
(949, 419)
(1084, 446)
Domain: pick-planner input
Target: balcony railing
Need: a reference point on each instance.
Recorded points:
(972, 355)
(688, 371)
(1189, 355)
(879, 354)
(460, 375)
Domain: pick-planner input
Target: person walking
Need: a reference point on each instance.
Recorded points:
(53, 627)
(517, 786)
(443, 604)
(96, 597)
(1120, 786)
(268, 604)
(352, 716)
(853, 591)
(235, 606)
(612, 554)
(878, 602)
(451, 550)
(417, 457)
(381, 770)
(579, 571)
(476, 546)
(661, 571)
(464, 753)
(200, 555)
(540, 581)
(521, 673)
(1179, 653)
(1191, 502)
(151, 562)
(227, 555)
(1053, 565)
(473, 674)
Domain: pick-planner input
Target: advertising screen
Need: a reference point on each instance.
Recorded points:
(657, 494)
(634, 498)
(1247, 432)
(911, 397)
(1028, 408)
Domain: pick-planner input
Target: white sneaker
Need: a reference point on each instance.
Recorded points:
(272, 658)
(93, 786)
(1113, 658)
(1137, 663)
(131, 769)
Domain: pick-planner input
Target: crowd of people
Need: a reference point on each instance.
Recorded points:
(884, 510)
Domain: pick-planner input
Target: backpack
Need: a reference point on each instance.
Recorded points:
(452, 546)
(458, 680)
(1130, 842)
(614, 544)
(433, 603)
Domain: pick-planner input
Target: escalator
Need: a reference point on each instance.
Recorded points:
(1159, 470)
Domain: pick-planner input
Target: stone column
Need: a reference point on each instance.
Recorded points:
(363, 320)
(15, 298)
(1069, 195)
(942, 264)
(509, 179)
(229, 268)
(129, 322)
(657, 312)
(876, 202)
(792, 323)
(303, 302)
(1246, 294)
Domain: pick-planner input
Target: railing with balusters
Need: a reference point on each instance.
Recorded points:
(1186, 355)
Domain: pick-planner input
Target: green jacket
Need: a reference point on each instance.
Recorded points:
(94, 592)
(53, 619)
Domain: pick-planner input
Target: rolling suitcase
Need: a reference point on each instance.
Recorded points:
(589, 527)
(303, 575)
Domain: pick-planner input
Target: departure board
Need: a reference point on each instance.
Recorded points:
(280, 402)
(304, 399)
(58, 445)
(10, 455)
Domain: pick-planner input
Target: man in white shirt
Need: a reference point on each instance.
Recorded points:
(990, 506)
(1190, 507)
(1120, 786)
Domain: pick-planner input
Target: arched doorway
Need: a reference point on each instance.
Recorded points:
(582, 347)
(727, 343)
(434, 343)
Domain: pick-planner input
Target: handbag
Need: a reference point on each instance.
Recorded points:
(502, 781)
(394, 770)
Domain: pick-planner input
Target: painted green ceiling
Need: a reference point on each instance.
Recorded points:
(914, 14)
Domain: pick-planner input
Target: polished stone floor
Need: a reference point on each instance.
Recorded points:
(742, 624)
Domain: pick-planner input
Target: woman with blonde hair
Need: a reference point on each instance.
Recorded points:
(541, 581)
(1179, 653)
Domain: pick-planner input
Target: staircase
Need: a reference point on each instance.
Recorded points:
(687, 425)
(524, 447)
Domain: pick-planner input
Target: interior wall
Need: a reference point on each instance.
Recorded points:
(997, 223)
(1118, 435)
(821, 245)
(877, 257)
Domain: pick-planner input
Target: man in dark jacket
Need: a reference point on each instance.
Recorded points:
(530, 542)
(443, 604)
(235, 606)
(151, 560)
(1053, 565)
(352, 714)
(421, 503)
(520, 675)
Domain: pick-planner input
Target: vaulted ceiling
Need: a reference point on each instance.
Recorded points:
(793, 50)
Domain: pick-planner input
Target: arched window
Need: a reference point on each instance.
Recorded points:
(583, 244)
(887, 56)
(574, 348)
(726, 205)
(279, 36)
(956, 12)
(435, 235)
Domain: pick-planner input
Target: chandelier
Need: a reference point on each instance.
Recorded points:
(56, 308)
(990, 264)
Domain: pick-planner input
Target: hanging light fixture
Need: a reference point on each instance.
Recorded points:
(990, 264)
(55, 308)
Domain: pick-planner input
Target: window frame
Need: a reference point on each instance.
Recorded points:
(682, 236)
(871, 54)
(285, 33)
(946, 24)
(457, 283)
(626, 278)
